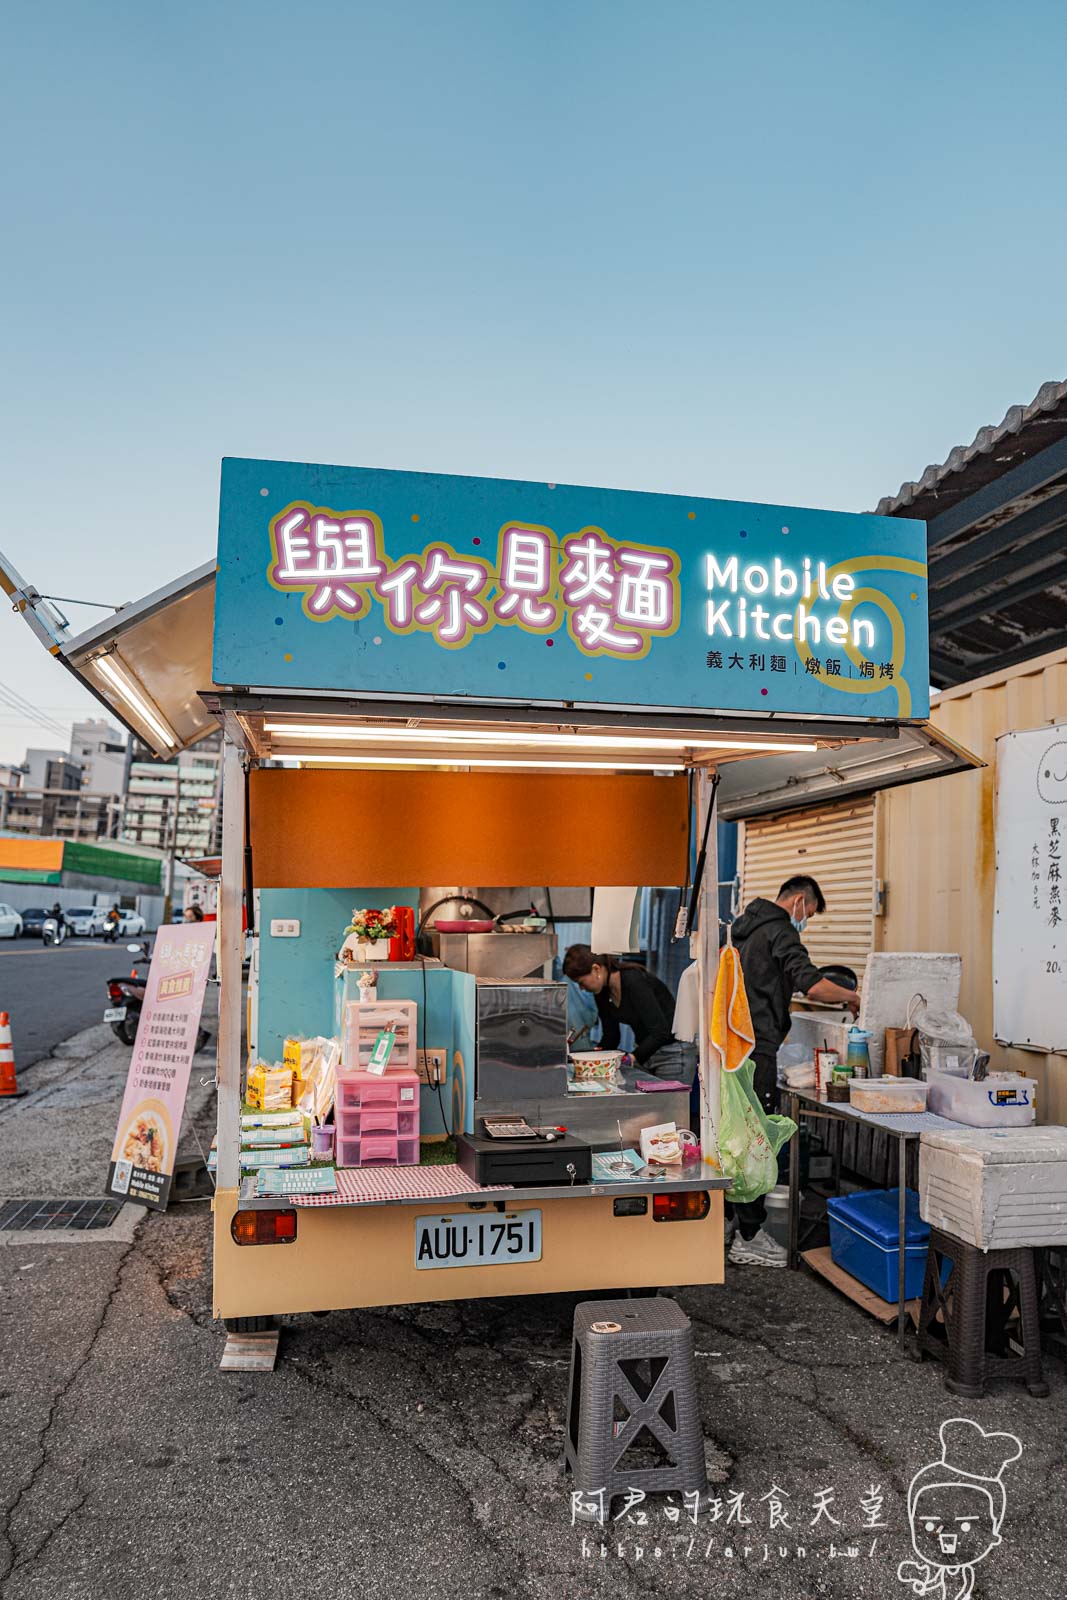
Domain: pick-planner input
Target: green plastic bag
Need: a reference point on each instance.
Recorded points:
(749, 1137)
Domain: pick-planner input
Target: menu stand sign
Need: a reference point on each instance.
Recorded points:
(146, 1145)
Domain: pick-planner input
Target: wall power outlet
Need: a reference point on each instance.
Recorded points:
(432, 1065)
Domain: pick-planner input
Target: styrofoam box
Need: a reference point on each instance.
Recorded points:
(1001, 1100)
(997, 1189)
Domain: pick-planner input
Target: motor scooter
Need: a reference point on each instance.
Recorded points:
(53, 932)
(126, 994)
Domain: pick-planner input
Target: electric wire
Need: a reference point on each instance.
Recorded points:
(28, 706)
(24, 708)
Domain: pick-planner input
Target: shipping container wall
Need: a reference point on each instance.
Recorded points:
(835, 845)
(939, 859)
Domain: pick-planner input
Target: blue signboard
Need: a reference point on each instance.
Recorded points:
(360, 581)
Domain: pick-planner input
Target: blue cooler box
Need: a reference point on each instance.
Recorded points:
(864, 1238)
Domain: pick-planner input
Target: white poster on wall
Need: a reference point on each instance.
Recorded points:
(1030, 918)
(615, 920)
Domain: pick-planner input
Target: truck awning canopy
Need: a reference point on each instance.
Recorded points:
(150, 664)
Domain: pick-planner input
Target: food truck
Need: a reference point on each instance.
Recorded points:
(428, 681)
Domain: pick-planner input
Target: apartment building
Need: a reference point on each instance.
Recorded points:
(175, 805)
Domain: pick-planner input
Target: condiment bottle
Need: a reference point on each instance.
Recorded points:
(858, 1055)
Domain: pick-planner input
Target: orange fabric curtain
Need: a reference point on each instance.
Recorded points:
(313, 828)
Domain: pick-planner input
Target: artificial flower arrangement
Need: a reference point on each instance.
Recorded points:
(373, 925)
(368, 928)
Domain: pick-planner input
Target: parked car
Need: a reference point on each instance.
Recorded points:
(33, 921)
(10, 923)
(132, 925)
(87, 920)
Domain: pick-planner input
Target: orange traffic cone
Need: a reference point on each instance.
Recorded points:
(8, 1085)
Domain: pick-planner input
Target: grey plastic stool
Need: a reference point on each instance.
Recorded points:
(633, 1421)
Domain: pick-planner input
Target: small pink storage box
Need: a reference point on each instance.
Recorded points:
(358, 1089)
(377, 1119)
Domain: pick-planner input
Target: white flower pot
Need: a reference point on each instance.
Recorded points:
(359, 951)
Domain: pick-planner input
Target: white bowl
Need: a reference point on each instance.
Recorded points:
(602, 1065)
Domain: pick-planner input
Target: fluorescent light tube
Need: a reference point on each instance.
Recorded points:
(583, 741)
(481, 761)
(136, 701)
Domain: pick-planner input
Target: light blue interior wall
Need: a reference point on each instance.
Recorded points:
(296, 982)
(299, 994)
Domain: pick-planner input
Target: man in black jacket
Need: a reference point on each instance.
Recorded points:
(776, 966)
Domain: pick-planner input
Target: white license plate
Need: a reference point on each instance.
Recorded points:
(464, 1239)
(115, 1014)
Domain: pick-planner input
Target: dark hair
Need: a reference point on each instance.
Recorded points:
(579, 961)
(805, 886)
(197, 910)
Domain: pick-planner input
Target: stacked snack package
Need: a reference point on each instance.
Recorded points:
(270, 1088)
(314, 1066)
(282, 1103)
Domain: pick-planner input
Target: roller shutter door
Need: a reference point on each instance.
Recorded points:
(836, 846)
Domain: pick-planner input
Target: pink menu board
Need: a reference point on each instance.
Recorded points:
(146, 1144)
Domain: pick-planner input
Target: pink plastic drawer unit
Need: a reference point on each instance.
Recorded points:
(358, 1089)
(377, 1119)
(377, 1150)
(347, 1151)
(355, 1122)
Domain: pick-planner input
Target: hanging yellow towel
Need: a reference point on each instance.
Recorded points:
(731, 1020)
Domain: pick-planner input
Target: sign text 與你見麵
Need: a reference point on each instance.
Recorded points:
(333, 578)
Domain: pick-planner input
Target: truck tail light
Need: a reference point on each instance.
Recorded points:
(688, 1207)
(263, 1227)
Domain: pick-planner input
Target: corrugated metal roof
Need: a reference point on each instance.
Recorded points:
(996, 512)
(1026, 429)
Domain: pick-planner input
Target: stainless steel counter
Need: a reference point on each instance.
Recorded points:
(498, 955)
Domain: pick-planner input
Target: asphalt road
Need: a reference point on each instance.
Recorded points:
(415, 1451)
(54, 993)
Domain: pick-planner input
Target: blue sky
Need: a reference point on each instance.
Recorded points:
(789, 254)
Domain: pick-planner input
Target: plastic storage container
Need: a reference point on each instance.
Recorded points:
(888, 1096)
(377, 1119)
(358, 1089)
(1001, 1100)
(364, 1021)
(864, 1238)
